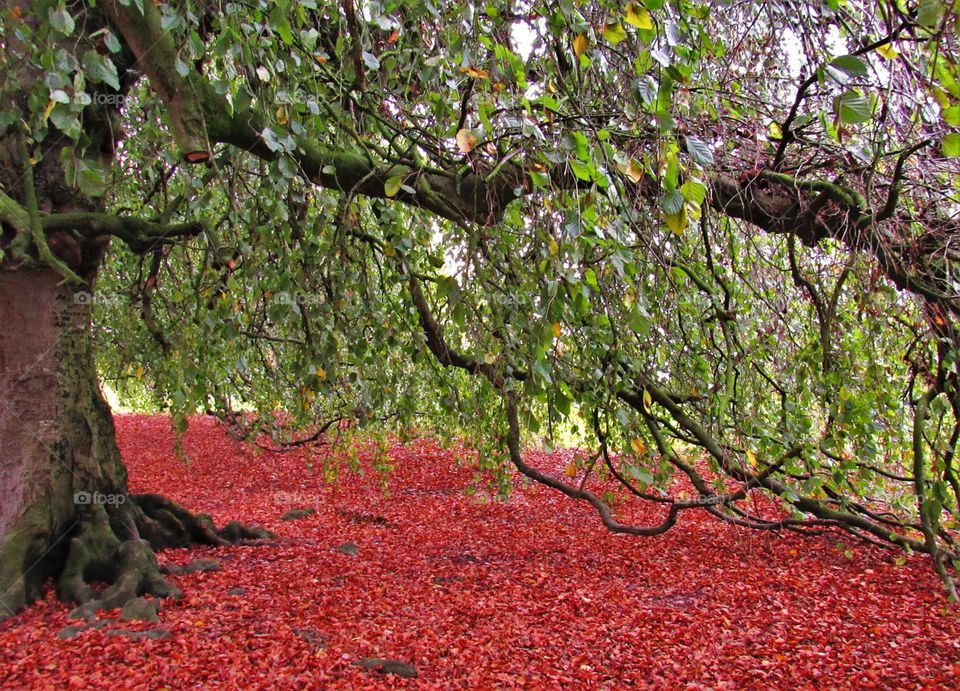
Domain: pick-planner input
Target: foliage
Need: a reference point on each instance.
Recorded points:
(714, 240)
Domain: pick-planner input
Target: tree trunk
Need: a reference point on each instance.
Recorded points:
(64, 507)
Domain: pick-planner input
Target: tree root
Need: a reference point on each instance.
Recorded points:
(115, 545)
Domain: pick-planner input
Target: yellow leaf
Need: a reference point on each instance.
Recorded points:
(580, 44)
(554, 247)
(638, 446)
(570, 470)
(466, 140)
(634, 171)
(888, 51)
(49, 109)
(647, 400)
(941, 97)
(677, 222)
(321, 374)
(776, 132)
(139, 373)
(556, 330)
(392, 185)
(282, 118)
(638, 17)
(614, 33)
(475, 72)
(751, 458)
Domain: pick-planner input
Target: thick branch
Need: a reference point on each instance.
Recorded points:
(140, 234)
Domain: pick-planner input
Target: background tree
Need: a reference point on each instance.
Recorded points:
(716, 241)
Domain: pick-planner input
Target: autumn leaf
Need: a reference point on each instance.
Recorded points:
(647, 400)
(466, 140)
(634, 171)
(638, 16)
(305, 616)
(888, 51)
(580, 44)
(677, 222)
(638, 446)
(557, 329)
(475, 72)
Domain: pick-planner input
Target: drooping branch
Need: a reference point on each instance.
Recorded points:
(450, 357)
(809, 505)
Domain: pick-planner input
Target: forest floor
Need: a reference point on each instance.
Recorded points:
(475, 592)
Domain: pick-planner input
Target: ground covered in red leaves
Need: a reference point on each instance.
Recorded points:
(475, 592)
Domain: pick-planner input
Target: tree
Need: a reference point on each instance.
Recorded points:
(716, 242)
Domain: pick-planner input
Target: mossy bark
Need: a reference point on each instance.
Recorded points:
(65, 510)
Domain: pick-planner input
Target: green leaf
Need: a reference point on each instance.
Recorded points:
(699, 151)
(100, 70)
(852, 108)
(283, 30)
(539, 179)
(951, 145)
(614, 33)
(850, 64)
(951, 116)
(371, 61)
(392, 185)
(694, 191)
(928, 14)
(92, 179)
(61, 20)
(582, 170)
(672, 203)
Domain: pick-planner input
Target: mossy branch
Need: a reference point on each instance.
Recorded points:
(140, 234)
(36, 235)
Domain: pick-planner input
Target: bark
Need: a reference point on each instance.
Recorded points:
(65, 510)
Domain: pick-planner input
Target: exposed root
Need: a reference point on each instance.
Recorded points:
(115, 545)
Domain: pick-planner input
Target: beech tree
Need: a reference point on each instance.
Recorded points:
(712, 243)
